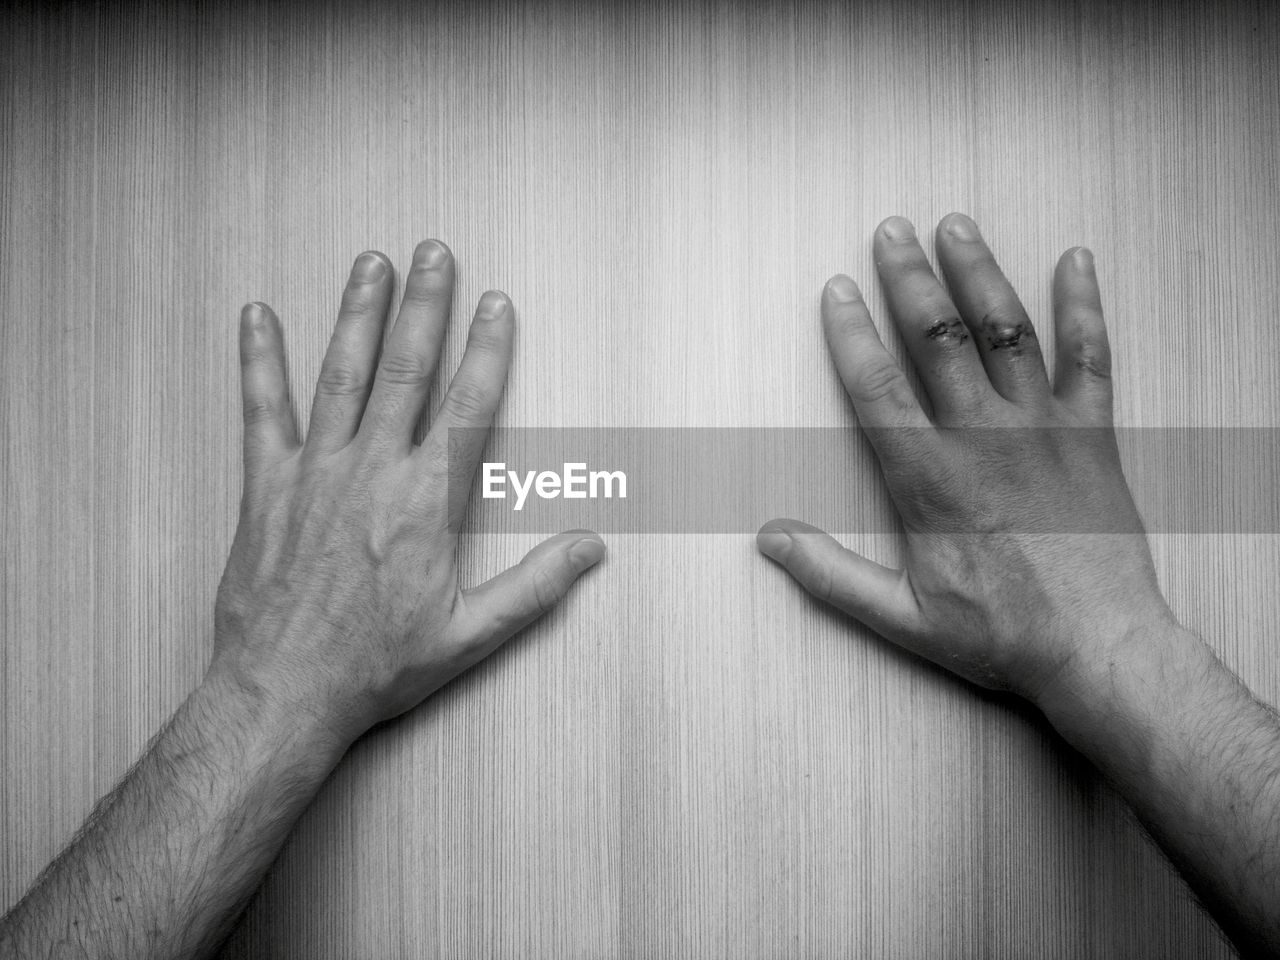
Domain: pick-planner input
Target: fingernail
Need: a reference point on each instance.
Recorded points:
(434, 255)
(842, 289)
(369, 267)
(585, 553)
(253, 314)
(492, 305)
(899, 228)
(962, 228)
(1083, 259)
(774, 543)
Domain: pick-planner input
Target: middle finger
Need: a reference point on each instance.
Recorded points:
(930, 324)
(1006, 339)
(409, 359)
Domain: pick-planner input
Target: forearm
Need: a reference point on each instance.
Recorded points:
(168, 860)
(1198, 758)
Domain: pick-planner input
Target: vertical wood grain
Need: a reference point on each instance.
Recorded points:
(690, 758)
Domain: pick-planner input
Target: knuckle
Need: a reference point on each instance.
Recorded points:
(468, 399)
(903, 256)
(256, 352)
(260, 410)
(487, 336)
(943, 328)
(425, 288)
(547, 591)
(975, 259)
(821, 582)
(879, 382)
(1085, 342)
(1005, 327)
(342, 380)
(359, 302)
(910, 272)
(1002, 314)
(845, 322)
(1093, 363)
(1080, 324)
(407, 368)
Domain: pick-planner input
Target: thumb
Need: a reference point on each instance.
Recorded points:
(878, 596)
(501, 606)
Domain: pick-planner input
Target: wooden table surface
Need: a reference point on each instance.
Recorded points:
(690, 758)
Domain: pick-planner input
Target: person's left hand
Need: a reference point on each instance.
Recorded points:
(340, 599)
(1026, 562)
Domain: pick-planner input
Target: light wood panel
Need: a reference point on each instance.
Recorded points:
(690, 758)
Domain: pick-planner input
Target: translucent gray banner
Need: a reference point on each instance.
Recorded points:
(713, 480)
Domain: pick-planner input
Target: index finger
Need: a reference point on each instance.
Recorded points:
(270, 432)
(881, 395)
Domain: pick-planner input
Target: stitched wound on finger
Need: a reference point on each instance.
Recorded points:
(951, 329)
(1006, 338)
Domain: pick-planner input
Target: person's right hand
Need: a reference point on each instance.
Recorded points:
(1000, 584)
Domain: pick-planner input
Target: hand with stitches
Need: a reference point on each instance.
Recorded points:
(1001, 583)
(1026, 566)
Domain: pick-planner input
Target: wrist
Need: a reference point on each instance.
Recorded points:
(1114, 698)
(274, 730)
